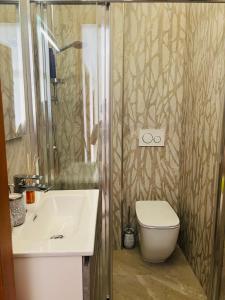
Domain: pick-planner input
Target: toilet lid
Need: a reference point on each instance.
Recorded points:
(156, 214)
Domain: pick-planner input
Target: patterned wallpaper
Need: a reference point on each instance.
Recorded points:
(153, 90)
(117, 99)
(74, 166)
(154, 41)
(203, 100)
(6, 77)
(173, 78)
(68, 112)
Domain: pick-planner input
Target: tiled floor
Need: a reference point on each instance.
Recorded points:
(134, 279)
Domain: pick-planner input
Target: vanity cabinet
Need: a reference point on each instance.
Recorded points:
(92, 265)
(57, 250)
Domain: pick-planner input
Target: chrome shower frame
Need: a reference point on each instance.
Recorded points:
(29, 79)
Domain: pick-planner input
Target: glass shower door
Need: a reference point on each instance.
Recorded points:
(71, 56)
(68, 41)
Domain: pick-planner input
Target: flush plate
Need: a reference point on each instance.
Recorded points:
(152, 137)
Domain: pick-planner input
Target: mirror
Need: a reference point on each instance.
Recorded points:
(11, 72)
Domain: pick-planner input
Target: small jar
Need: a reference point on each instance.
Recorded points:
(30, 197)
(17, 208)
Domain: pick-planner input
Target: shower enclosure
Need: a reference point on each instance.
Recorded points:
(70, 47)
(71, 59)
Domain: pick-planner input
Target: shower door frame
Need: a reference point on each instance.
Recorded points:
(48, 161)
(29, 94)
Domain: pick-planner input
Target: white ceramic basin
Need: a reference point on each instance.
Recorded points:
(60, 223)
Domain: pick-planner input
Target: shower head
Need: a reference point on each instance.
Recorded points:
(51, 39)
(75, 44)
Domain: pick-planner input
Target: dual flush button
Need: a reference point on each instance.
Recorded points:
(151, 137)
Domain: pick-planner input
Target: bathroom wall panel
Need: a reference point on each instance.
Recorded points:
(8, 13)
(16, 152)
(6, 75)
(117, 99)
(68, 112)
(204, 92)
(153, 85)
(154, 42)
(173, 75)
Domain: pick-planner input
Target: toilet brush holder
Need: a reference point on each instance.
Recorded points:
(129, 234)
(129, 238)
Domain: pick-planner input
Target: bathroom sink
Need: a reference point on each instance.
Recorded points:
(60, 223)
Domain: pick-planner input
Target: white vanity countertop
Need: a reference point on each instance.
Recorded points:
(60, 223)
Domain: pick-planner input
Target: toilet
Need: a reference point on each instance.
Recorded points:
(158, 229)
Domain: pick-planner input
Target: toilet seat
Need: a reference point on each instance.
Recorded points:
(156, 214)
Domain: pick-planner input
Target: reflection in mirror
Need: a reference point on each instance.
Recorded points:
(11, 72)
(12, 82)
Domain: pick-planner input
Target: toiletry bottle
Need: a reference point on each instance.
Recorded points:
(30, 197)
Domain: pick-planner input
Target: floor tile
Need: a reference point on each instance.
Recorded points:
(135, 279)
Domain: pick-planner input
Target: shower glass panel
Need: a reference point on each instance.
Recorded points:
(68, 42)
(71, 63)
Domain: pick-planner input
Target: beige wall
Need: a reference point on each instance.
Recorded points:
(117, 99)
(68, 114)
(174, 79)
(153, 92)
(204, 91)
(154, 44)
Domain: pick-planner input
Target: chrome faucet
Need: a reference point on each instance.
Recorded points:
(22, 183)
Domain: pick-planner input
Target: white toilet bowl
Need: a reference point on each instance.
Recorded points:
(158, 229)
